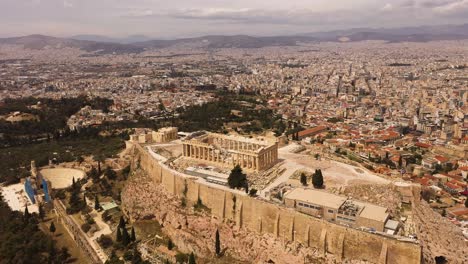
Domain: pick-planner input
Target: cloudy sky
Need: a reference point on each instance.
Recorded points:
(181, 18)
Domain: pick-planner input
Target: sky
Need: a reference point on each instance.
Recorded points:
(187, 18)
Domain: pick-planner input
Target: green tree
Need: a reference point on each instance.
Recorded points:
(170, 244)
(217, 243)
(75, 202)
(99, 159)
(237, 178)
(400, 162)
(114, 259)
(118, 235)
(132, 235)
(136, 259)
(27, 215)
(93, 173)
(41, 212)
(122, 222)
(52, 227)
(317, 179)
(192, 259)
(97, 205)
(110, 173)
(303, 179)
(125, 237)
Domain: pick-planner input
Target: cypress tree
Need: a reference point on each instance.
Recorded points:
(303, 179)
(170, 245)
(119, 235)
(217, 244)
(96, 203)
(191, 258)
(136, 258)
(125, 237)
(317, 179)
(466, 202)
(99, 167)
(27, 215)
(41, 212)
(132, 235)
(121, 222)
(52, 227)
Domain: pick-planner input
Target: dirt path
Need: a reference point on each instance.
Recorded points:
(336, 174)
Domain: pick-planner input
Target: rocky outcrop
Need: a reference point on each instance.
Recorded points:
(194, 231)
(439, 237)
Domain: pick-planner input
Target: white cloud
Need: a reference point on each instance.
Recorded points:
(453, 7)
(67, 4)
(387, 7)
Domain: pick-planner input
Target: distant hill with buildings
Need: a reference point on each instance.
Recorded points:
(38, 42)
(404, 34)
(138, 43)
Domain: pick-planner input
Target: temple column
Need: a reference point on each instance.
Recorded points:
(257, 164)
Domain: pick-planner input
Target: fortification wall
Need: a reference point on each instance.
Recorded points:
(264, 217)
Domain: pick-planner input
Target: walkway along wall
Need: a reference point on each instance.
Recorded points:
(77, 234)
(264, 217)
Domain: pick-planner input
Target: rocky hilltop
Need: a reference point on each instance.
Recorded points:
(194, 230)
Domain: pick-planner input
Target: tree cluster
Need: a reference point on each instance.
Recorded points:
(122, 234)
(23, 241)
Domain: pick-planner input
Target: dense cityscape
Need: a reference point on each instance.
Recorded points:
(338, 147)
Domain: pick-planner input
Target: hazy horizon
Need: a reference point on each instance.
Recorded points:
(161, 19)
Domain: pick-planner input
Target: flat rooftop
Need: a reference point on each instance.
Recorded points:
(373, 212)
(316, 197)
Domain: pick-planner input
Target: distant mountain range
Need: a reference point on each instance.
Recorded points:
(139, 43)
(45, 42)
(127, 40)
(404, 34)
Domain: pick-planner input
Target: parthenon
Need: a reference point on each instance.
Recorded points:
(252, 154)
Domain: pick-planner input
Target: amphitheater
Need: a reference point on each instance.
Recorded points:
(61, 178)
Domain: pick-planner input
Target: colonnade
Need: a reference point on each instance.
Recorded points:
(243, 154)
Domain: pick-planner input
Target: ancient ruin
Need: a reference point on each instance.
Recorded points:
(251, 154)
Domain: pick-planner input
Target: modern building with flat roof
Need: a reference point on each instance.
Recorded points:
(335, 208)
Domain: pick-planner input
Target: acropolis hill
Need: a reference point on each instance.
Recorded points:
(264, 217)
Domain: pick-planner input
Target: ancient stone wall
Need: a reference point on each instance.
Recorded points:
(264, 217)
